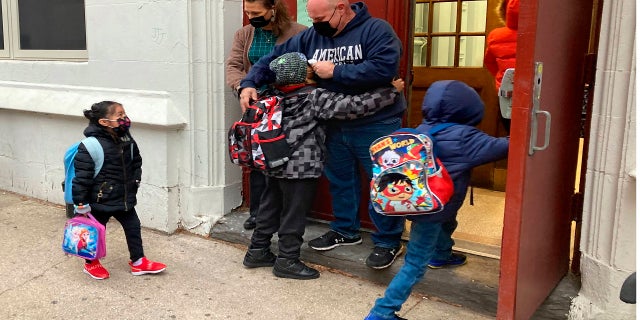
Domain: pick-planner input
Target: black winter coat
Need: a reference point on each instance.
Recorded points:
(116, 185)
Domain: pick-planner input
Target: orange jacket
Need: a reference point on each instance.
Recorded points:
(501, 44)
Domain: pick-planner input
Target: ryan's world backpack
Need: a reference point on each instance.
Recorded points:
(257, 141)
(97, 154)
(408, 178)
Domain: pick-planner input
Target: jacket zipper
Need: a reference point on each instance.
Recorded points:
(100, 194)
(124, 171)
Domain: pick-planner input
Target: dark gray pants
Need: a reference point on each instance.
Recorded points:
(257, 184)
(284, 207)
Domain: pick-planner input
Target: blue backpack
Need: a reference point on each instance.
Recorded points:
(97, 154)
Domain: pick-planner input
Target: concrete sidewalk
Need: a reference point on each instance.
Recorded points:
(204, 279)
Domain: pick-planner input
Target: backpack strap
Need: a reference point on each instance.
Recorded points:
(435, 129)
(95, 151)
(440, 126)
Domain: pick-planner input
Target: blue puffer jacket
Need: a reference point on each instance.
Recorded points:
(460, 147)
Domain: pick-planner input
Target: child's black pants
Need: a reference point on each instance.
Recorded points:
(284, 207)
(131, 225)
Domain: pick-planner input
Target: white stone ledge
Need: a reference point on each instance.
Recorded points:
(143, 107)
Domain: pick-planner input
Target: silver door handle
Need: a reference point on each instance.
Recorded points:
(535, 110)
(547, 132)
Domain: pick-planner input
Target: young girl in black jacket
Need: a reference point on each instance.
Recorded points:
(112, 193)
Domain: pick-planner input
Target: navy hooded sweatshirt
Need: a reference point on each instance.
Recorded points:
(460, 147)
(366, 54)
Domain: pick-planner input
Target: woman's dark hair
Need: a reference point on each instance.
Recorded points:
(282, 18)
(99, 111)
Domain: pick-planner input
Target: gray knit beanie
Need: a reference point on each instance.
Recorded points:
(290, 68)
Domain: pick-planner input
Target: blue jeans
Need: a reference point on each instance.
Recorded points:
(420, 249)
(444, 245)
(346, 147)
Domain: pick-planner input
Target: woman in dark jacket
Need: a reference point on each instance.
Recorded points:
(112, 192)
(460, 147)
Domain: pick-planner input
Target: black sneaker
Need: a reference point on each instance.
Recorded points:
(331, 240)
(250, 223)
(382, 258)
(454, 260)
(294, 269)
(255, 258)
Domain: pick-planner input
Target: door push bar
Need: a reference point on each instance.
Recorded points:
(505, 93)
(537, 83)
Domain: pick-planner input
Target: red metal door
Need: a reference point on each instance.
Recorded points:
(553, 38)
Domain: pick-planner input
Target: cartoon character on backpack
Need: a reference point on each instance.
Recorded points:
(398, 189)
(408, 178)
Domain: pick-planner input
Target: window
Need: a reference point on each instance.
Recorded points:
(43, 30)
(449, 33)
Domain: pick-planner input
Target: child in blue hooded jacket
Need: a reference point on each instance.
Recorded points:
(461, 147)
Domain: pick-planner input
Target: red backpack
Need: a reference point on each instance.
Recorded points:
(257, 140)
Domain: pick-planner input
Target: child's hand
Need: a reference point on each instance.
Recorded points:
(82, 209)
(398, 84)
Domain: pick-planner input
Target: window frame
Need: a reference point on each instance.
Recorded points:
(4, 53)
(12, 50)
(457, 34)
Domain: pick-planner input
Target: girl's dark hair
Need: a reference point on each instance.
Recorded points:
(99, 111)
(282, 18)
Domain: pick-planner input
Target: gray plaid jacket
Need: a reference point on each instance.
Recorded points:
(304, 113)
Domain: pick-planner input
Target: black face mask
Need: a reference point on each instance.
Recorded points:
(259, 22)
(324, 28)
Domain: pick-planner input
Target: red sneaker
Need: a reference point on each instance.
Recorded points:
(96, 270)
(147, 266)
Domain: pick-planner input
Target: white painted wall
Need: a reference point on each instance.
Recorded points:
(608, 244)
(164, 61)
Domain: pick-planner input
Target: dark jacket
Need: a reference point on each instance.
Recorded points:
(460, 147)
(305, 109)
(366, 54)
(116, 185)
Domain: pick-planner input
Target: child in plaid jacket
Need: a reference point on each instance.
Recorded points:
(291, 188)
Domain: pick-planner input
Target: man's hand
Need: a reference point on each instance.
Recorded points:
(324, 69)
(247, 95)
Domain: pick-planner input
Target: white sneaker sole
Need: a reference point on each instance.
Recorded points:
(92, 276)
(336, 245)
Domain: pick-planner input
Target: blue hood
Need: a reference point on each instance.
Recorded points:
(452, 101)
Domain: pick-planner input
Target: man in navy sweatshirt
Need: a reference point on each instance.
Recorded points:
(351, 53)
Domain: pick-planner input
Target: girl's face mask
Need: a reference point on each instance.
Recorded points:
(123, 125)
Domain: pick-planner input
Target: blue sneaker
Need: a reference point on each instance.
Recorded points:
(374, 317)
(456, 259)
